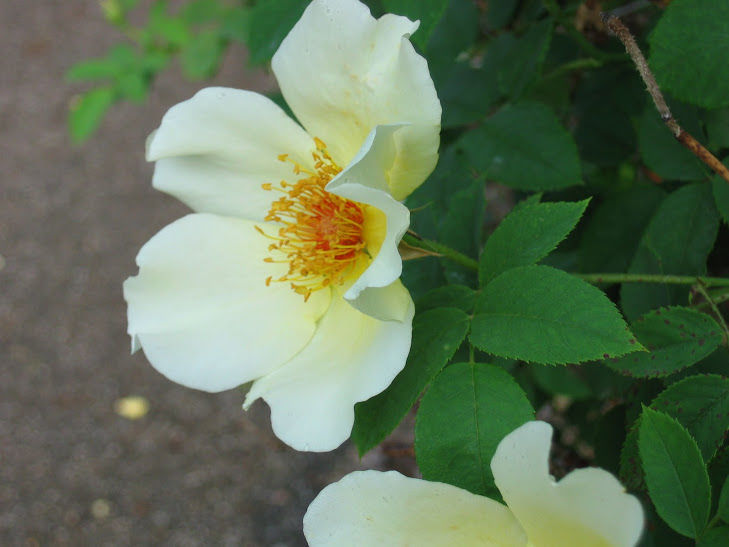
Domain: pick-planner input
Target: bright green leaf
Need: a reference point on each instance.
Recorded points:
(87, 112)
(463, 416)
(540, 314)
(677, 241)
(201, 57)
(437, 333)
(675, 473)
(675, 337)
(525, 147)
(689, 48)
(527, 235)
(701, 404)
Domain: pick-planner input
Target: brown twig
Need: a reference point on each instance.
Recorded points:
(617, 27)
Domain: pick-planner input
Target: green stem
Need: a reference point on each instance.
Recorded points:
(444, 250)
(653, 278)
(577, 64)
(715, 309)
(456, 256)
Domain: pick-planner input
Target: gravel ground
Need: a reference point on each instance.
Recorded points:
(195, 470)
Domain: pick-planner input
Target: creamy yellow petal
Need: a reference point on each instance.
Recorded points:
(200, 308)
(215, 150)
(351, 357)
(343, 73)
(588, 507)
(368, 508)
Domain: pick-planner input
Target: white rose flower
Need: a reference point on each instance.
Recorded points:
(587, 508)
(287, 272)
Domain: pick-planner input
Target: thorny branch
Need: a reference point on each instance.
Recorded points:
(617, 27)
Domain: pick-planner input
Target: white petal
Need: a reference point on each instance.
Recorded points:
(366, 180)
(351, 357)
(343, 73)
(588, 507)
(368, 508)
(215, 150)
(200, 308)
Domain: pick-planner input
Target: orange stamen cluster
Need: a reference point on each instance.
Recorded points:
(321, 237)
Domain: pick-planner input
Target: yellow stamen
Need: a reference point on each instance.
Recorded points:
(321, 234)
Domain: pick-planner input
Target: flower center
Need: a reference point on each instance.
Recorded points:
(321, 237)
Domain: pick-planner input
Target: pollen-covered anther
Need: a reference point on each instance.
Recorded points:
(321, 234)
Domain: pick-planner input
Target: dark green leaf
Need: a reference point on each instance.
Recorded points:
(437, 333)
(661, 152)
(499, 13)
(428, 12)
(465, 413)
(677, 241)
(717, 128)
(560, 381)
(525, 147)
(466, 93)
(723, 508)
(85, 114)
(455, 33)
(520, 59)
(269, 23)
(527, 235)
(448, 296)
(613, 231)
(538, 313)
(701, 404)
(720, 188)
(716, 537)
(675, 473)
(689, 47)
(675, 337)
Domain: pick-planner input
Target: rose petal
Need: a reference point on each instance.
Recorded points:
(215, 150)
(200, 308)
(351, 357)
(356, 74)
(374, 508)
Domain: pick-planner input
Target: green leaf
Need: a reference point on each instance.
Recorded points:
(723, 508)
(467, 411)
(677, 241)
(560, 381)
(675, 337)
(701, 404)
(455, 33)
(613, 231)
(538, 313)
(268, 25)
(606, 100)
(93, 69)
(87, 112)
(499, 14)
(461, 228)
(520, 59)
(720, 189)
(675, 473)
(689, 47)
(201, 57)
(428, 12)
(466, 93)
(716, 537)
(437, 333)
(717, 128)
(448, 296)
(525, 147)
(661, 152)
(527, 235)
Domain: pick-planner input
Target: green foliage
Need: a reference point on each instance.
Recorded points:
(467, 410)
(688, 48)
(544, 315)
(675, 338)
(268, 25)
(675, 472)
(678, 240)
(526, 236)
(428, 12)
(525, 147)
(437, 333)
(87, 112)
